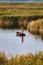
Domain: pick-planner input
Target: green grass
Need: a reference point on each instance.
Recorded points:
(21, 9)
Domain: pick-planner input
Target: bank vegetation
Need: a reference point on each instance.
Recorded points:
(27, 59)
(36, 27)
(16, 15)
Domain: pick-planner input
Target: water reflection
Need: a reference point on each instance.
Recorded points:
(22, 39)
(38, 36)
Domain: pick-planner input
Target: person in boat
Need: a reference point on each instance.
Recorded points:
(22, 29)
(20, 34)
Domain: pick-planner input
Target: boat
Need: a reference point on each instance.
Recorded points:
(20, 34)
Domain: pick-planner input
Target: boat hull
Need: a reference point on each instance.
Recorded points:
(20, 34)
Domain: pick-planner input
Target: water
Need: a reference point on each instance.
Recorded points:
(21, 0)
(12, 44)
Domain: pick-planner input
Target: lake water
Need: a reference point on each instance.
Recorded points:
(10, 43)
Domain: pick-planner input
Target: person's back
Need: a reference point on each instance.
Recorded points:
(22, 29)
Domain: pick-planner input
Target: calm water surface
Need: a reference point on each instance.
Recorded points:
(10, 43)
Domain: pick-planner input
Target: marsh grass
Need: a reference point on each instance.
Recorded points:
(27, 59)
(36, 27)
(18, 12)
(21, 9)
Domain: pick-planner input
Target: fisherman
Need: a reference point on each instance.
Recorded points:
(22, 29)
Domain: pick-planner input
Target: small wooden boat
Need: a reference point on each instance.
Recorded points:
(20, 34)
